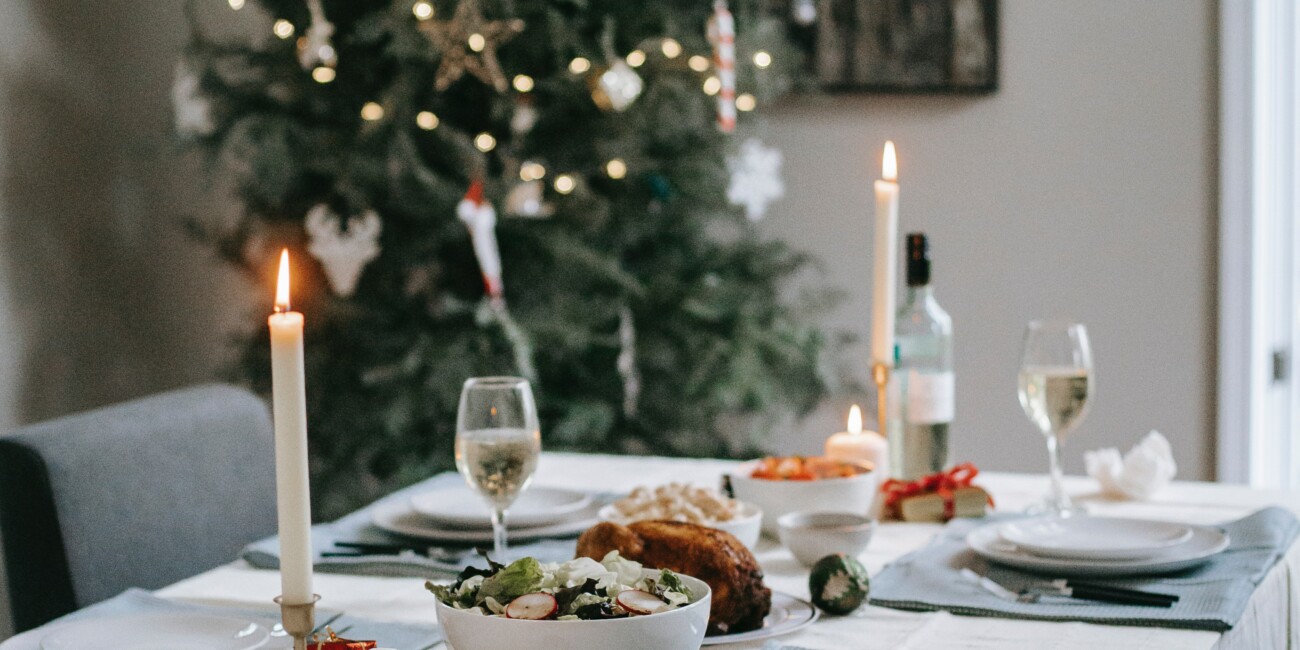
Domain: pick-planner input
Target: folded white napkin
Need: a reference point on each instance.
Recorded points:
(1140, 473)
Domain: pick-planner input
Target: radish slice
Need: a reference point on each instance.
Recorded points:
(532, 607)
(640, 602)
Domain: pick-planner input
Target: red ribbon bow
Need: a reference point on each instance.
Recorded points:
(941, 483)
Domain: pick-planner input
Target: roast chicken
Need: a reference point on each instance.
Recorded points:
(740, 601)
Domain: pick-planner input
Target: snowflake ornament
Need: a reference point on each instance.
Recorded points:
(342, 252)
(755, 178)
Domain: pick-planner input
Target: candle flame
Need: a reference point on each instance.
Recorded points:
(889, 165)
(855, 419)
(282, 286)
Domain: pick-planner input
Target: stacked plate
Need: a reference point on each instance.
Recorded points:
(458, 515)
(1097, 546)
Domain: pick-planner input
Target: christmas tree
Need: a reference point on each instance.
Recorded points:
(549, 188)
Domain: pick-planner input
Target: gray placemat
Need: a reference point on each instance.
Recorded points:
(1213, 595)
(357, 527)
(400, 636)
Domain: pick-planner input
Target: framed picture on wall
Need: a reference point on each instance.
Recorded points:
(906, 46)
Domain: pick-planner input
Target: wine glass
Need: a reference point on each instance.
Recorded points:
(1056, 380)
(498, 441)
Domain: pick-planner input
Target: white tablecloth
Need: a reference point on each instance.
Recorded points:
(1272, 620)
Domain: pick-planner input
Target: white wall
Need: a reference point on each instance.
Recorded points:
(103, 297)
(1085, 187)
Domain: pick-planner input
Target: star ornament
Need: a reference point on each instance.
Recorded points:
(468, 43)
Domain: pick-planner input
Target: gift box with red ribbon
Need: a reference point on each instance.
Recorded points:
(938, 497)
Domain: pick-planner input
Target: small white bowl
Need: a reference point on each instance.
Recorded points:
(746, 526)
(776, 497)
(678, 629)
(811, 536)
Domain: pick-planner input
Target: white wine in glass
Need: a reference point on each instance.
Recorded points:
(1056, 379)
(498, 442)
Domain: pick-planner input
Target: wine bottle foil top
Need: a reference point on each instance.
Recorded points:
(918, 260)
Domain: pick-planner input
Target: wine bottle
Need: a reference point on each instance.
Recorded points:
(919, 441)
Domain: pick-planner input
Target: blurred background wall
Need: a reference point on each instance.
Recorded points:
(1085, 187)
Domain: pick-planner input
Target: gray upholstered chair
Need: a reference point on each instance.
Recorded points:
(140, 494)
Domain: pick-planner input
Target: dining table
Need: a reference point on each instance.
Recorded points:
(1271, 619)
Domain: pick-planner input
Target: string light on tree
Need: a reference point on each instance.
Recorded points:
(283, 28)
(422, 10)
(616, 168)
(236, 4)
(762, 59)
(426, 120)
(372, 112)
(523, 83)
(746, 102)
(698, 63)
(712, 85)
(531, 171)
(476, 42)
(636, 58)
(485, 142)
(579, 65)
(565, 183)
(323, 74)
(671, 48)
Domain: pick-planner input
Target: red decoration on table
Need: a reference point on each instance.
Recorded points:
(945, 485)
(336, 642)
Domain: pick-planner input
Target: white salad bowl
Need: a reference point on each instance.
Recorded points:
(676, 629)
(776, 497)
(746, 526)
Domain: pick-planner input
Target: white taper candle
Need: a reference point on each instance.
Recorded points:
(884, 260)
(289, 407)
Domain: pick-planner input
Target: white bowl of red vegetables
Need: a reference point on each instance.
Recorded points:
(582, 603)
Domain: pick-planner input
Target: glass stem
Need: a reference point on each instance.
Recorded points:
(499, 534)
(1058, 501)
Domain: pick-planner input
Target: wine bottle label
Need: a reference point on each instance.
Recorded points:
(930, 397)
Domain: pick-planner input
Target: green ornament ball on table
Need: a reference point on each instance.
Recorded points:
(838, 584)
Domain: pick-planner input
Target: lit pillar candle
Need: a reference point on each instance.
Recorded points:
(857, 445)
(289, 405)
(882, 296)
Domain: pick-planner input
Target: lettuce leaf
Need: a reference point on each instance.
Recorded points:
(520, 577)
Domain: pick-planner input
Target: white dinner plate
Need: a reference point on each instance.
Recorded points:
(398, 517)
(1204, 543)
(460, 507)
(787, 615)
(157, 632)
(1094, 538)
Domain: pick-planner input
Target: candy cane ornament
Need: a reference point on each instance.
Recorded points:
(722, 33)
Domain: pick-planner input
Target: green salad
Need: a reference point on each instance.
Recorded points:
(580, 589)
